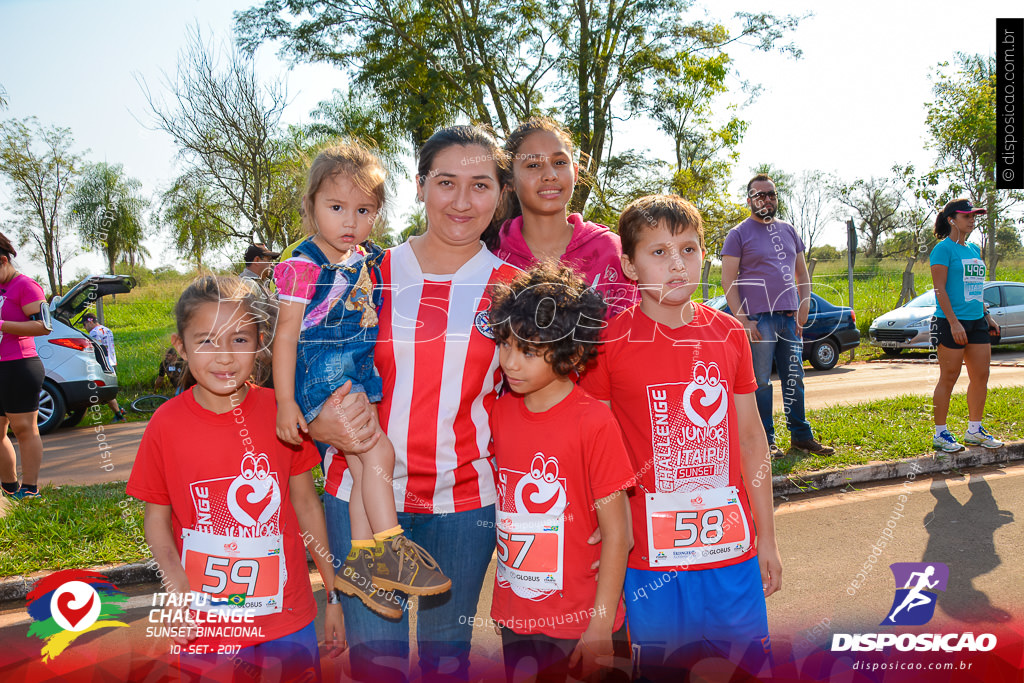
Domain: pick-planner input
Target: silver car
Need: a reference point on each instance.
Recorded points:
(909, 326)
(77, 373)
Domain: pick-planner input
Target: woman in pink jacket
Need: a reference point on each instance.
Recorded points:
(536, 227)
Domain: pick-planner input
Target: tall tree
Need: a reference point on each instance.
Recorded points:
(490, 60)
(108, 211)
(197, 218)
(878, 203)
(809, 205)
(226, 124)
(962, 124)
(40, 167)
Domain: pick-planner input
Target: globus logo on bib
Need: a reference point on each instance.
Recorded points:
(914, 605)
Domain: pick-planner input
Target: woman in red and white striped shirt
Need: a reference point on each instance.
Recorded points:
(439, 363)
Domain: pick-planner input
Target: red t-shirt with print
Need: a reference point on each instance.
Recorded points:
(672, 391)
(552, 467)
(227, 475)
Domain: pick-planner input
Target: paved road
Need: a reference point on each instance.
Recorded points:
(88, 454)
(969, 522)
(869, 381)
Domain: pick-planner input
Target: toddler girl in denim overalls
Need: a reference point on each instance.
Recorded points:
(329, 292)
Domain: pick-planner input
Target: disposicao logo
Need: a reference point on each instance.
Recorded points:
(914, 605)
(915, 602)
(68, 603)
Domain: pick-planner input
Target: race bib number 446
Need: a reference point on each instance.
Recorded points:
(695, 527)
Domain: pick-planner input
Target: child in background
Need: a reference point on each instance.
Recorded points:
(227, 503)
(536, 227)
(679, 378)
(325, 337)
(562, 471)
(170, 371)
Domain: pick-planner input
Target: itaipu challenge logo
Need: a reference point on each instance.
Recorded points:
(69, 603)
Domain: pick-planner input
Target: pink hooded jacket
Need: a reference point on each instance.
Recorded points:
(593, 252)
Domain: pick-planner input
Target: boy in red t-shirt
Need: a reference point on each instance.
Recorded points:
(562, 470)
(679, 378)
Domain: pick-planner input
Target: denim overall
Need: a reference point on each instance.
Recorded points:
(339, 348)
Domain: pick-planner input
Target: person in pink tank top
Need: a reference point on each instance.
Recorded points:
(22, 316)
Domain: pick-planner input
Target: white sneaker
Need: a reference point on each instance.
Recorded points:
(945, 441)
(981, 438)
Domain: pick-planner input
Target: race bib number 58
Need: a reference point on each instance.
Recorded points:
(695, 527)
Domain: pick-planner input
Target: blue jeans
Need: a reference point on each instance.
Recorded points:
(294, 657)
(780, 343)
(462, 543)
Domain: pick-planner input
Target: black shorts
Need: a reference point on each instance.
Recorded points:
(20, 382)
(977, 332)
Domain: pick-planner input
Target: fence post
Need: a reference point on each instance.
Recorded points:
(810, 271)
(704, 276)
(907, 291)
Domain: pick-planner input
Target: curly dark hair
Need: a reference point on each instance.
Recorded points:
(549, 308)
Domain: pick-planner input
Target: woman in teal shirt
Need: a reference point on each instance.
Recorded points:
(960, 327)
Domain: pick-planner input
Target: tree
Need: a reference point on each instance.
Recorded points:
(197, 218)
(877, 202)
(226, 124)
(40, 168)
(107, 209)
(490, 60)
(962, 124)
(809, 206)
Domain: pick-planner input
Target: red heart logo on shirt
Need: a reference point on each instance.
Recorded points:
(544, 501)
(72, 614)
(246, 499)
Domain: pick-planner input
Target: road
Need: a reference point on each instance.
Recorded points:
(95, 454)
(968, 522)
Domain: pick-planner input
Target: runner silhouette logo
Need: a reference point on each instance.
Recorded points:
(916, 596)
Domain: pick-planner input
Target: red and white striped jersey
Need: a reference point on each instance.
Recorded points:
(439, 363)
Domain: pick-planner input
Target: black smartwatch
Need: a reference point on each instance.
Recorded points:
(334, 596)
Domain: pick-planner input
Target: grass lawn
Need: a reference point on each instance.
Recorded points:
(894, 428)
(76, 527)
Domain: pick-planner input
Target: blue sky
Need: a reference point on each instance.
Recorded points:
(853, 105)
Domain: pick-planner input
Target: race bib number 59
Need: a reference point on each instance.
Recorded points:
(695, 527)
(235, 573)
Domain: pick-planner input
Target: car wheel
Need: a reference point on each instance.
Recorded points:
(51, 407)
(825, 354)
(892, 353)
(73, 418)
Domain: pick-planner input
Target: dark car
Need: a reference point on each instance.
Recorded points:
(830, 330)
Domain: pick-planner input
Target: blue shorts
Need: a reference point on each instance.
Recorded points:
(295, 657)
(676, 618)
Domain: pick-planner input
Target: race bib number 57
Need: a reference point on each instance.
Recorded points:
(695, 527)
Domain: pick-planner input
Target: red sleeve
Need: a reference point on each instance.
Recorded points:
(596, 379)
(148, 481)
(304, 457)
(744, 381)
(609, 467)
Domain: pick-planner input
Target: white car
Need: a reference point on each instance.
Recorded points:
(909, 326)
(77, 373)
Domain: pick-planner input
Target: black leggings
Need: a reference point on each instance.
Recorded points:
(20, 382)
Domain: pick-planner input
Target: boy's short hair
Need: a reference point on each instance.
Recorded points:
(654, 209)
(550, 308)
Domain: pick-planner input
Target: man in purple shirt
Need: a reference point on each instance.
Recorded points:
(764, 258)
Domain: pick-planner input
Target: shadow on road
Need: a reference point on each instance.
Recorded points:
(962, 536)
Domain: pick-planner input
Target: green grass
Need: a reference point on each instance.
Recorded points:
(72, 527)
(892, 429)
